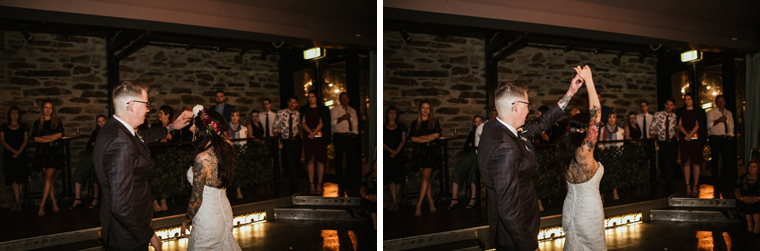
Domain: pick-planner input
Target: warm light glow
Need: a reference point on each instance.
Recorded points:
(690, 56)
(715, 93)
(314, 53)
(614, 221)
(704, 240)
(683, 91)
(708, 87)
(330, 240)
(174, 232)
(337, 91)
(329, 103)
(330, 190)
(330, 85)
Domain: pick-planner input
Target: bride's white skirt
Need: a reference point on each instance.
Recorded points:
(212, 225)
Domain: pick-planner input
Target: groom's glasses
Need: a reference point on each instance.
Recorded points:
(147, 104)
(527, 103)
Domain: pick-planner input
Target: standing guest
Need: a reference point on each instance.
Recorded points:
(426, 155)
(479, 129)
(266, 118)
(165, 115)
(644, 120)
(345, 128)
(748, 196)
(237, 130)
(255, 128)
(507, 165)
(85, 173)
(691, 124)
(720, 127)
(14, 137)
(467, 169)
(46, 132)
(394, 137)
(663, 128)
(222, 107)
(570, 116)
(314, 145)
(368, 191)
(611, 132)
(287, 125)
(632, 128)
(123, 165)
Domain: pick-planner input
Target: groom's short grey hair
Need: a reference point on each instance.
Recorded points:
(506, 94)
(125, 92)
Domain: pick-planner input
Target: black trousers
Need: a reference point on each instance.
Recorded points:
(667, 155)
(723, 149)
(345, 146)
(143, 248)
(291, 160)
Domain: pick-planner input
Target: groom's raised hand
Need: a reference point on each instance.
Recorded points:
(183, 120)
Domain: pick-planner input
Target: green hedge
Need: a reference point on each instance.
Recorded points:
(169, 177)
(625, 167)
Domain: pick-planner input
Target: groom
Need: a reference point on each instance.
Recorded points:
(123, 164)
(507, 166)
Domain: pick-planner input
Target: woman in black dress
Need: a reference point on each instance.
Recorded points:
(85, 173)
(46, 132)
(255, 129)
(314, 146)
(14, 136)
(748, 197)
(632, 130)
(394, 136)
(426, 156)
(691, 123)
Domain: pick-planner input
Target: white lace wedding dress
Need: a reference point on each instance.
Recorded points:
(212, 225)
(583, 215)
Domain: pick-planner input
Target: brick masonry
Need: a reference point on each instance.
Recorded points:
(71, 72)
(449, 72)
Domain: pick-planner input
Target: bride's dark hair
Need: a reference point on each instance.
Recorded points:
(570, 142)
(225, 154)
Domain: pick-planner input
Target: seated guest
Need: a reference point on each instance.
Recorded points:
(467, 169)
(85, 173)
(748, 197)
(165, 116)
(632, 129)
(368, 190)
(255, 128)
(14, 137)
(569, 116)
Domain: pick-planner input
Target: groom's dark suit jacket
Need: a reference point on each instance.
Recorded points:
(507, 168)
(123, 165)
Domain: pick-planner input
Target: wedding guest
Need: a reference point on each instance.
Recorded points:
(314, 146)
(14, 137)
(632, 128)
(426, 156)
(663, 128)
(720, 126)
(237, 130)
(748, 197)
(644, 119)
(692, 122)
(287, 124)
(221, 106)
(394, 137)
(255, 128)
(467, 169)
(46, 132)
(611, 132)
(85, 173)
(165, 116)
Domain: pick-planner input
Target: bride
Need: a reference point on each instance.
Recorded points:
(582, 213)
(209, 209)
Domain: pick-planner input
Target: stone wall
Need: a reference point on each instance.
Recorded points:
(71, 72)
(622, 81)
(449, 72)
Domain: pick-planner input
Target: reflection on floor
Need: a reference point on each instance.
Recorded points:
(659, 235)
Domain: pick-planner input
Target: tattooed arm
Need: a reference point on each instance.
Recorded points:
(199, 182)
(575, 84)
(593, 103)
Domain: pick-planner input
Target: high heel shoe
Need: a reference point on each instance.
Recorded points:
(695, 190)
(75, 204)
(688, 190)
(418, 212)
(95, 202)
(473, 202)
(432, 207)
(311, 188)
(319, 188)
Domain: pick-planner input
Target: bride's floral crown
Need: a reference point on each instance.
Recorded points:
(211, 126)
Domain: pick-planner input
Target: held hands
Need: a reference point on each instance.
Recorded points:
(584, 73)
(575, 84)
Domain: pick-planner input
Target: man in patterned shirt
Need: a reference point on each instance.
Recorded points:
(663, 128)
(288, 125)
